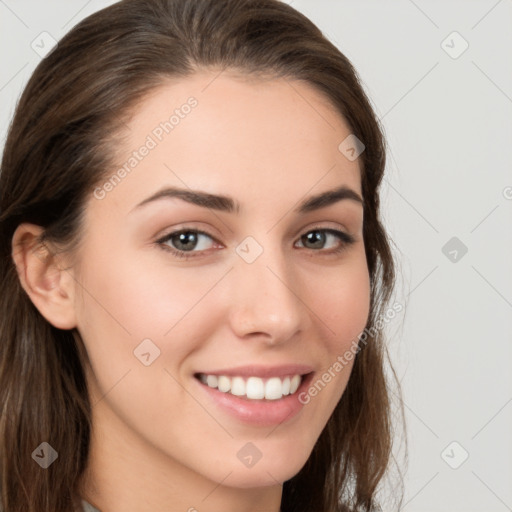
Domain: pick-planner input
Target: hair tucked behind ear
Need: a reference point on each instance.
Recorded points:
(62, 142)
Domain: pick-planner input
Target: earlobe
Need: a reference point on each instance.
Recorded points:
(43, 276)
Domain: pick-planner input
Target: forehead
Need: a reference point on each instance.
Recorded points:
(228, 132)
(250, 101)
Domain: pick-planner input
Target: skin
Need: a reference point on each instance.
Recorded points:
(159, 443)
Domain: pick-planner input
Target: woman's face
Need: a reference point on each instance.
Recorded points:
(268, 296)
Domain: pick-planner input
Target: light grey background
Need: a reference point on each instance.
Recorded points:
(448, 124)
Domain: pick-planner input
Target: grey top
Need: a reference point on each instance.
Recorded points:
(87, 507)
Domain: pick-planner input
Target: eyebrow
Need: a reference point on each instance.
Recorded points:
(227, 204)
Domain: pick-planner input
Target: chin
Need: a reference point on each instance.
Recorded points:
(275, 470)
(252, 478)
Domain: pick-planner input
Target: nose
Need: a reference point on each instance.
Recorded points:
(266, 299)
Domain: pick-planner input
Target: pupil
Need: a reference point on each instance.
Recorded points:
(316, 237)
(182, 239)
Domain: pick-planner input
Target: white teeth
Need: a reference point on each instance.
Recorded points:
(211, 380)
(273, 389)
(238, 386)
(224, 383)
(294, 384)
(253, 388)
(286, 386)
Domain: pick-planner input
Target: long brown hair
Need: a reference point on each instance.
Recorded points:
(62, 142)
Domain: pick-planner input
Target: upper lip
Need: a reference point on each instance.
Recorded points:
(262, 371)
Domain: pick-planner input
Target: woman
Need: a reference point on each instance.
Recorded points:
(245, 371)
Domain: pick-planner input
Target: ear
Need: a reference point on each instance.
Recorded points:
(44, 276)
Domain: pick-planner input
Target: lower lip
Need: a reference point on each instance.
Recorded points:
(259, 412)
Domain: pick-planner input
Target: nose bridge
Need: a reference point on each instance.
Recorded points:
(266, 299)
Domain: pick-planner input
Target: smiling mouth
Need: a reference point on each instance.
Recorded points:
(253, 388)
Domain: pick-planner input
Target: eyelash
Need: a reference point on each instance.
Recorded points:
(345, 238)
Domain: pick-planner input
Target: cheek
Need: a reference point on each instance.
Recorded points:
(133, 300)
(342, 302)
(126, 303)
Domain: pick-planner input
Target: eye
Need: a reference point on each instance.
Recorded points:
(184, 241)
(187, 243)
(319, 237)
